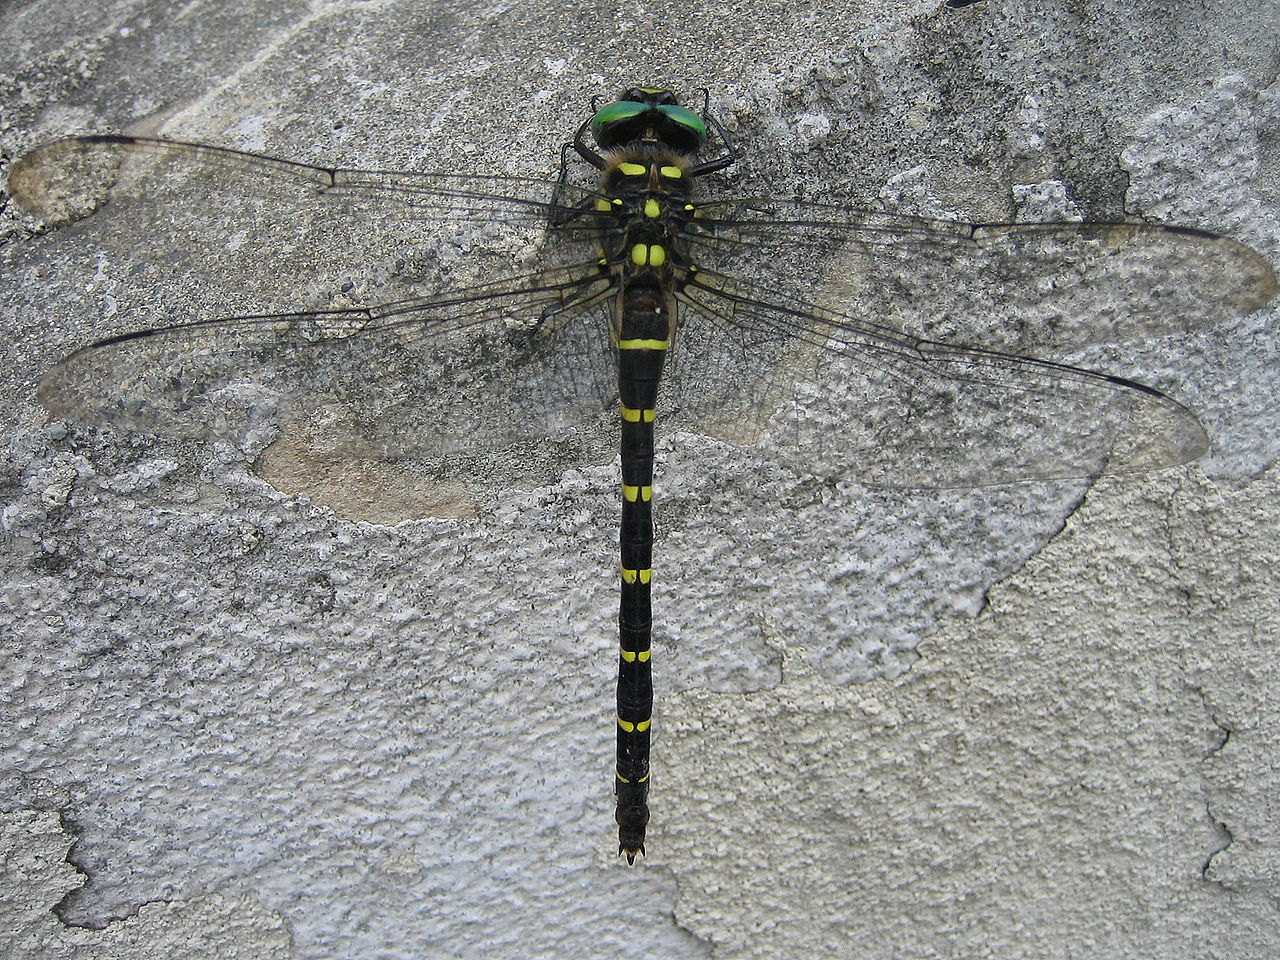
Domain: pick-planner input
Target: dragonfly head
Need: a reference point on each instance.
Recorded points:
(648, 114)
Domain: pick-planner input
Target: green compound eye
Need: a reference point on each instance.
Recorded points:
(686, 118)
(613, 112)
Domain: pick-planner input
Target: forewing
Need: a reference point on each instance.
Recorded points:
(1042, 288)
(66, 179)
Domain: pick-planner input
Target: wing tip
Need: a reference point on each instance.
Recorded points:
(64, 180)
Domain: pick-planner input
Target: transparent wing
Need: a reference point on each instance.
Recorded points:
(1036, 287)
(68, 178)
(1044, 288)
(859, 387)
(477, 382)
(470, 380)
(839, 396)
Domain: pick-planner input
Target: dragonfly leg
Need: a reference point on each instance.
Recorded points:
(726, 159)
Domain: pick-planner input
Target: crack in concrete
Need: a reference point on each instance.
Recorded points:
(1224, 840)
(1225, 729)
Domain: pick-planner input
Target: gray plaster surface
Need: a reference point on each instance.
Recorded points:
(259, 707)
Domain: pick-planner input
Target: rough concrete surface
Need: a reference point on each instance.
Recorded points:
(244, 718)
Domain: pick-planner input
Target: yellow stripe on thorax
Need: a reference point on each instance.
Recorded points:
(643, 344)
(648, 255)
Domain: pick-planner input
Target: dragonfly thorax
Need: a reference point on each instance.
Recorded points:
(646, 191)
(646, 167)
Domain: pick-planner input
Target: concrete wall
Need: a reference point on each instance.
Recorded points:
(245, 718)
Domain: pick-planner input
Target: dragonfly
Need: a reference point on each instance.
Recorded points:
(807, 333)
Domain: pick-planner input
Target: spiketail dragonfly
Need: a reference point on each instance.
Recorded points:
(831, 366)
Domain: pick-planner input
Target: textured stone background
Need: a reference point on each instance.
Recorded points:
(1036, 721)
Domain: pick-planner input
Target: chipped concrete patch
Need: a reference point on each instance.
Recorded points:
(35, 877)
(1044, 775)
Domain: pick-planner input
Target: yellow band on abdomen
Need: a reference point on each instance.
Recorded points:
(631, 492)
(634, 415)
